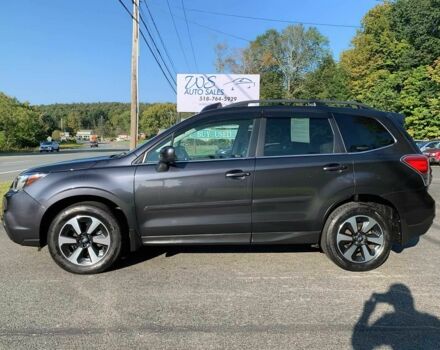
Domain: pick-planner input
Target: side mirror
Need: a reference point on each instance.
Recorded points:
(167, 157)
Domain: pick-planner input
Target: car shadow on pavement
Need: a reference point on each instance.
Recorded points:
(143, 254)
(404, 328)
(151, 252)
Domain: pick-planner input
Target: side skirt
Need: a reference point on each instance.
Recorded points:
(311, 237)
(308, 237)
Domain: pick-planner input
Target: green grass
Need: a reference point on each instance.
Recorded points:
(4, 187)
(70, 145)
(17, 150)
(36, 149)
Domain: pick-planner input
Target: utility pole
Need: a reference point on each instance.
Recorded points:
(134, 115)
(101, 130)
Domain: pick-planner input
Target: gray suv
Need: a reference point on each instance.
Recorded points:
(338, 174)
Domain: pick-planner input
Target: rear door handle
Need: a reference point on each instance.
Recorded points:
(335, 167)
(237, 174)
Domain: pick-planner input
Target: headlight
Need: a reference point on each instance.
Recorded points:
(23, 181)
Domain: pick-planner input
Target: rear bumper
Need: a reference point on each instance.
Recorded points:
(416, 210)
(21, 218)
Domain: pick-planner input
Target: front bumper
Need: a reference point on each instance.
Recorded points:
(21, 218)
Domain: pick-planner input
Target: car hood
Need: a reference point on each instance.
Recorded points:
(69, 165)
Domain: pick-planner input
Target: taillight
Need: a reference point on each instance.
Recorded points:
(417, 162)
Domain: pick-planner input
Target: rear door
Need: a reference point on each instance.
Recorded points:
(301, 172)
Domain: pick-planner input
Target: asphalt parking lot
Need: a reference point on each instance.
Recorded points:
(223, 298)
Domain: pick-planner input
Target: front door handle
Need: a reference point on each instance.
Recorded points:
(334, 167)
(237, 174)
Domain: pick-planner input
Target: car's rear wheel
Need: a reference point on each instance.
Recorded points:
(85, 238)
(357, 237)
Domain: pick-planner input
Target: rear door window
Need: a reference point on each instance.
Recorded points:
(363, 133)
(298, 135)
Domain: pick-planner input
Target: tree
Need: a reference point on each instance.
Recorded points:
(375, 54)
(56, 135)
(420, 98)
(20, 125)
(156, 117)
(385, 67)
(299, 52)
(281, 58)
(418, 22)
(328, 81)
(225, 59)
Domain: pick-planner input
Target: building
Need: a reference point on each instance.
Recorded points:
(84, 135)
(64, 136)
(123, 137)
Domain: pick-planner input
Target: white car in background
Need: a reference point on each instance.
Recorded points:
(49, 146)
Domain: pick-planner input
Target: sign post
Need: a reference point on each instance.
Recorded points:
(196, 91)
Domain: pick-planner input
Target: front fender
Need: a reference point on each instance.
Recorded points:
(113, 184)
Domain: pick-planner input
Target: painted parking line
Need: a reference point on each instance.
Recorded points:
(11, 171)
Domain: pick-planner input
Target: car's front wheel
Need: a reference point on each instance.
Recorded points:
(85, 238)
(357, 237)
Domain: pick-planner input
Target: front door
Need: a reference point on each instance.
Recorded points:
(206, 195)
(301, 172)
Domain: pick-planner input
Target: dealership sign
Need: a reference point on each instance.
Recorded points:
(195, 91)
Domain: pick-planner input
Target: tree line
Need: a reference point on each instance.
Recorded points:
(23, 125)
(393, 63)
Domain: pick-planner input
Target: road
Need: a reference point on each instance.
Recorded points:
(12, 164)
(223, 298)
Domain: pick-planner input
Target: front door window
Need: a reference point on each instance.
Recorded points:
(209, 141)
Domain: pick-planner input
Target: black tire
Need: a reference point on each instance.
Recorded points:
(90, 209)
(329, 236)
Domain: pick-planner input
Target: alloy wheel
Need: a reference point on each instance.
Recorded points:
(84, 240)
(360, 239)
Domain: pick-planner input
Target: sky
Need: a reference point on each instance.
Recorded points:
(62, 51)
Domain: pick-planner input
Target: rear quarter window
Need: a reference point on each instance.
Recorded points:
(363, 133)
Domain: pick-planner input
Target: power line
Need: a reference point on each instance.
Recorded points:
(189, 36)
(270, 19)
(177, 33)
(155, 46)
(149, 47)
(219, 31)
(208, 27)
(160, 36)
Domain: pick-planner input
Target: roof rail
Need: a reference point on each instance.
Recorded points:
(302, 102)
(211, 106)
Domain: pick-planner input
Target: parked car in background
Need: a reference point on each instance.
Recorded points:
(433, 154)
(421, 143)
(93, 143)
(430, 145)
(49, 146)
(339, 174)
